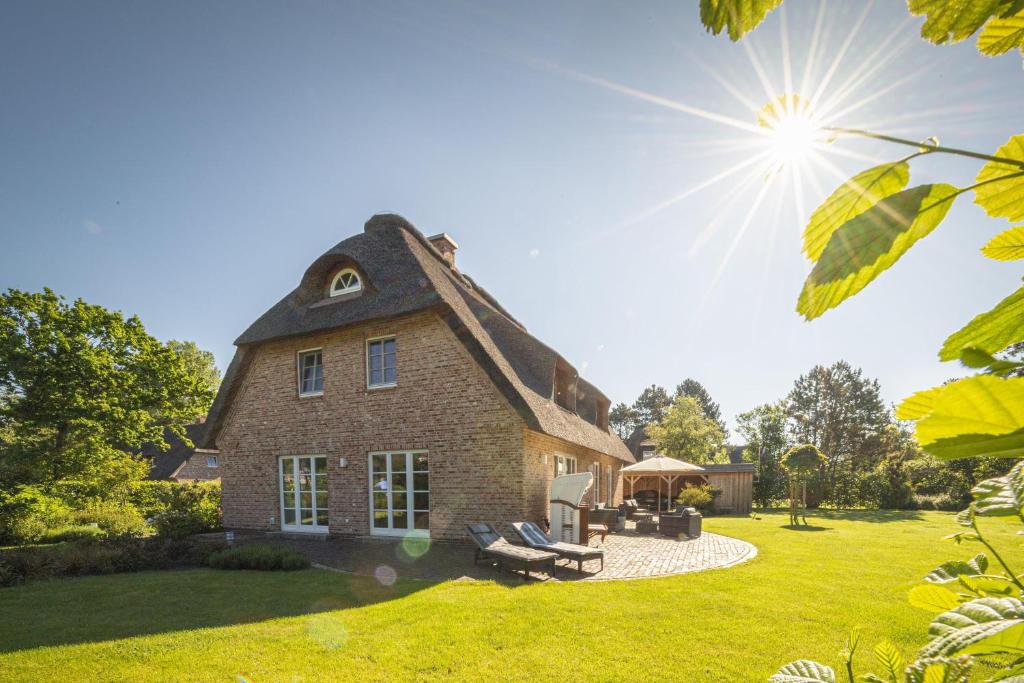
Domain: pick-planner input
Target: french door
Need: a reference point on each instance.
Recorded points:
(303, 480)
(400, 493)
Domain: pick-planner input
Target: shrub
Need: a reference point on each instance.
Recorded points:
(699, 497)
(189, 508)
(935, 501)
(113, 518)
(79, 532)
(123, 554)
(27, 514)
(260, 556)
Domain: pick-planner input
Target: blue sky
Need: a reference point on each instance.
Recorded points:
(186, 163)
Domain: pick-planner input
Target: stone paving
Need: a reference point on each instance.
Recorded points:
(628, 555)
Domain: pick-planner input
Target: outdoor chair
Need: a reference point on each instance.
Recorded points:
(537, 539)
(685, 521)
(634, 512)
(493, 547)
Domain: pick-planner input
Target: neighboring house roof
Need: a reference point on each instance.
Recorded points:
(167, 463)
(403, 273)
(637, 439)
(735, 454)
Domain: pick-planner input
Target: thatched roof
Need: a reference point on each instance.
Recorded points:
(167, 463)
(403, 273)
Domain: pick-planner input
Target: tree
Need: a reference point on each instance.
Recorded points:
(841, 412)
(684, 432)
(198, 363)
(801, 463)
(83, 387)
(765, 430)
(623, 419)
(651, 406)
(694, 389)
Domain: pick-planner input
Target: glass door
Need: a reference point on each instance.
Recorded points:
(400, 494)
(303, 481)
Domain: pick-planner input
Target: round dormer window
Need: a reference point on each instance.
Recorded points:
(346, 282)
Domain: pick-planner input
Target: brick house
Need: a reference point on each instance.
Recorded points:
(181, 462)
(389, 394)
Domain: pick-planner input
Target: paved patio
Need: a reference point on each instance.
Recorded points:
(628, 555)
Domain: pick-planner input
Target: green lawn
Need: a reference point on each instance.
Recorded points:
(798, 598)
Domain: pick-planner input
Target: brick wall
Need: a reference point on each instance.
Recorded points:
(539, 447)
(443, 403)
(195, 469)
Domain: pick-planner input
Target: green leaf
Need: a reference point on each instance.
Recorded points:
(939, 670)
(979, 415)
(988, 585)
(918, 404)
(889, 658)
(1003, 198)
(866, 245)
(953, 20)
(933, 598)
(948, 572)
(982, 626)
(739, 16)
(991, 331)
(1001, 496)
(1001, 35)
(804, 671)
(1006, 246)
(973, 357)
(852, 198)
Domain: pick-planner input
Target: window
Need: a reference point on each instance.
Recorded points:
(564, 464)
(595, 469)
(646, 452)
(303, 480)
(601, 419)
(211, 461)
(565, 386)
(380, 363)
(400, 494)
(311, 373)
(346, 282)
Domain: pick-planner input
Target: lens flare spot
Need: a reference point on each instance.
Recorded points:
(327, 631)
(385, 575)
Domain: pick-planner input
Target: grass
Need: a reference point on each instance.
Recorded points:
(798, 598)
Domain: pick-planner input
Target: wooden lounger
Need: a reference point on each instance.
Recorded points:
(537, 539)
(493, 547)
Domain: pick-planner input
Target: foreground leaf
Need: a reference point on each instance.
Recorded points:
(948, 572)
(889, 658)
(933, 598)
(868, 244)
(973, 357)
(1001, 35)
(939, 670)
(953, 21)
(739, 16)
(918, 404)
(988, 585)
(979, 415)
(991, 331)
(804, 671)
(1006, 246)
(1003, 198)
(982, 626)
(1001, 496)
(852, 198)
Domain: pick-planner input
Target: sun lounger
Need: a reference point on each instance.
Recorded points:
(537, 539)
(493, 547)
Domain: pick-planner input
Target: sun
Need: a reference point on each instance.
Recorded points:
(792, 130)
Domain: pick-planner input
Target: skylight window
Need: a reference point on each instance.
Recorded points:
(346, 282)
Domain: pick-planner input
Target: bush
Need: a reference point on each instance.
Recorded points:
(66, 534)
(189, 508)
(699, 497)
(260, 556)
(124, 554)
(935, 501)
(28, 513)
(113, 518)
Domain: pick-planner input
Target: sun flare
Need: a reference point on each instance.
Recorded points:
(792, 129)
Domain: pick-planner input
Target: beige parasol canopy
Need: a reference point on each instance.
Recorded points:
(664, 468)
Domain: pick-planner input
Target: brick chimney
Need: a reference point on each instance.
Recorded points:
(446, 245)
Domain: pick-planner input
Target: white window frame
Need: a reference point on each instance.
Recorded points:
(315, 528)
(211, 461)
(384, 385)
(409, 498)
(346, 289)
(564, 460)
(609, 493)
(298, 371)
(595, 469)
